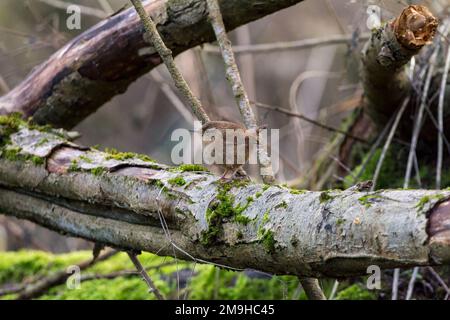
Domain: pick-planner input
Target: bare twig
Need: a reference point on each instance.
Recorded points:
(334, 290)
(145, 276)
(166, 56)
(231, 69)
(172, 97)
(441, 120)
(233, 76)
(439, 279)
(411, 283)
(305, 118)
(290, 45)
(388, 143)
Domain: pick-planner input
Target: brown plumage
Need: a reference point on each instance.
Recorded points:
(243, 135)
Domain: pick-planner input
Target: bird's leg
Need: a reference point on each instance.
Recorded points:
(223, 177)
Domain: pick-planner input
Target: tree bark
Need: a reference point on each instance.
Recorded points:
(103, 61)
(390, 48)
(121, 200)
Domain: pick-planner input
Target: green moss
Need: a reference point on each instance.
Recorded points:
(42, 142)
(177, 181)
(113, 154)
(265, 187)
(266, 237)
(295, 191)
(425, 199)
(190, 168)
(9, 124)
(222, 210)
(324, 197)
(340, 221)
(13, 154)
(355, 292)
(266, 217)
(391, 174)
(98, 171)
(368, 199)
(258, 194)
(85, 159)
(282, 204)
(37, 160)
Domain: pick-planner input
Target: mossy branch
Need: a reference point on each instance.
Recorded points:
(118, 199)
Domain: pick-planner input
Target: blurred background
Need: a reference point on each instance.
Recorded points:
(319, 81)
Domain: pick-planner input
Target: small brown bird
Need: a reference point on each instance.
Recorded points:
(235, 138)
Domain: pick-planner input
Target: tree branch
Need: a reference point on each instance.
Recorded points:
(166, 55)
(391, 47)
(103, 61)
(120, 199)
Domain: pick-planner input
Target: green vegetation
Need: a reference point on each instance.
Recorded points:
(324, 197)
(266, 237)
(296, 191)
(113, 154)
(13, 154)
(222, 210)
(425, 199)
(98, 171)
(177, 181)
(190, 168)
(356, 292)
(207, 282)
(368, 199)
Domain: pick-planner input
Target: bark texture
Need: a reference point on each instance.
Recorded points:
(121, 200)
(103, 61)
(390, 48)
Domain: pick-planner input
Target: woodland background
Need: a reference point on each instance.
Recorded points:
(321, 82)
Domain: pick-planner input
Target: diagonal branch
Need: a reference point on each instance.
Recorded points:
(234, 78)
(104, 60)
(166, 55)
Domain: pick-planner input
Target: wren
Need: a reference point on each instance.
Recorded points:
(239, 141)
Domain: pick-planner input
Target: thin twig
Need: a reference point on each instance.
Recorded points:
(145, 276)
(231, 69)
(441, 120)
(411, 283)
(166, 55)
(388, 143)
(305, 118)
(439, 279)
(290, 45)
(234, 77)
(334, 290)
(172, 96)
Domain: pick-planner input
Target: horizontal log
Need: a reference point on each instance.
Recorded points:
(121, 199)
